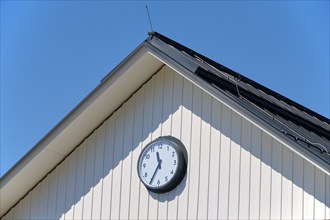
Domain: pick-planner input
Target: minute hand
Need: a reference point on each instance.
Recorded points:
(158, 167)
(153, 176)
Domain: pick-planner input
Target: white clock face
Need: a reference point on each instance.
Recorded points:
(158, 164)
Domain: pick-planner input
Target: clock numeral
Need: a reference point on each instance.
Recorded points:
(147, 156)
(168, 148)
(145, 174)
(166, 179)
(152, 149)
(172, 153)
(160, 146)
(174, 162)
(144, 165)
(172, 172)
(158, 182)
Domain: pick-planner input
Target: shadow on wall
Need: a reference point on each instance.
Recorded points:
(143, 118)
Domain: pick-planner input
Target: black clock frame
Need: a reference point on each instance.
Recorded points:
(180, 171)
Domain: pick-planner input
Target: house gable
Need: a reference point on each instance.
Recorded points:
(97, 145)
(235, 169)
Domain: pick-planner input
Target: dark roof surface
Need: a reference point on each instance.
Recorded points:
(306, 129)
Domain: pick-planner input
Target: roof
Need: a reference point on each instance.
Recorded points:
(306, 132)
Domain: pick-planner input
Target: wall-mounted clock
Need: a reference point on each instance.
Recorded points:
(162, 164)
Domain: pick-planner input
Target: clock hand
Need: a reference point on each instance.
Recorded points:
(158, 167)
(159, 160)
(153, 176)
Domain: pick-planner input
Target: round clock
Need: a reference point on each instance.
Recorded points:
(162, 164)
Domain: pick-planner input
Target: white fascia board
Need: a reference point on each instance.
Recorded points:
(113, 90)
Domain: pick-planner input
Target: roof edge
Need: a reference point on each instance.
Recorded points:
(239, 76)
(187, 68)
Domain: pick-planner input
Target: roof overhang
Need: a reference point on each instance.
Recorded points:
(113, 90)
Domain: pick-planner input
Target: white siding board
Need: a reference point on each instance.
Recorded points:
(172, 209)
(319, 198)
(167, 104)
(117, 168)
(61, 190)
(204, 156)
(235, 170)
(213, 183)
(187, 97)
(127, 160)
(287, 161)
(276, 181)
(234, 166)
(89, 177)
(308, 207)
(146, 138)
(70, 185)
(35, 195)
(194, 154)
(166, 130)
(156, 119)
(25, 208)
(80, 181)
(137, 136)
(224, 163)
(98, 172)
(107, 168)
(297, 192)
(244, 190)
(52, 195)
(166, 118)
(265, 190)
(255, 167)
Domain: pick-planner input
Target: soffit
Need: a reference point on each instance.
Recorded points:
(113, 90)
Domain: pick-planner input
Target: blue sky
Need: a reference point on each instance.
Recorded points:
(53, 53)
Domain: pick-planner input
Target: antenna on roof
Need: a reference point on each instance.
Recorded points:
(149, 19)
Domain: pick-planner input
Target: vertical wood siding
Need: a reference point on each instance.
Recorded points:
(235, 170)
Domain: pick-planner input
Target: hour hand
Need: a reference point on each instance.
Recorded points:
(159, 161)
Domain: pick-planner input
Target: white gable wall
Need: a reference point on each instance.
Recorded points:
(235, 170)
